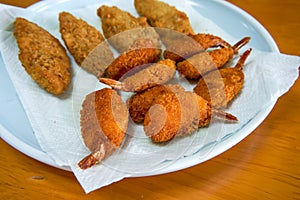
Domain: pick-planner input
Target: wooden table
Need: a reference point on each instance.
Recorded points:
(265, 165)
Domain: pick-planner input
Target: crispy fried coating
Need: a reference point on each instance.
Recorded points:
(140, 103)
(163, 119)
(204, 62)
(181, 48)
(142, 52)
(163, 15)
(81, 40)
(196, 66)
(219, 87)
(122, 29)
(176, 114)
(147, 77)
(103, 120)
(155, 74)
(208, 40)
(187, 46)
(42, 56)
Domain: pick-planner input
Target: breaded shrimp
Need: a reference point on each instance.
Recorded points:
(103, 120)
(221, 86)
(42, 56)
(81, 39)
(147, 77)
(178, 114)
(163, 15)
(186, 46)
(122, 29)
(140, 103)
(199, 64)
(142, 52)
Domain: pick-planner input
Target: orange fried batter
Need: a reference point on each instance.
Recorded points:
(140, 103)
(186, 46)
(142, 52)
(196, 66)
(176, 114)
(42, 56)
(147, 77)
(221, 86)
(204, 62)
(103, 120)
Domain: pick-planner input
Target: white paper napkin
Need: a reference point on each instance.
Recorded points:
(55, 121)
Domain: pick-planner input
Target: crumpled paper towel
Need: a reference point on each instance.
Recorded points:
(55, 120)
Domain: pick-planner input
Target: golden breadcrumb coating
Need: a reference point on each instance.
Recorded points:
(122, 29)
(81, 39)
(163, 15)
(42, 56)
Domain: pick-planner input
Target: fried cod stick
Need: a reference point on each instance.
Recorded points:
(42, 56)
(163, 15)
(81, 40)
(122, 29)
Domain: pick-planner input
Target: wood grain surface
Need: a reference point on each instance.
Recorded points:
(265, 165)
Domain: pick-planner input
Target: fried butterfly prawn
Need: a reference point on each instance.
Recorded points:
(221, 86)
(81, 39)
(42, 56)
(142, 52)
(122, 29)
(177, 114)
(163, 15)
(149, 76)
(103, 120)
(199, 64)
(140, 102)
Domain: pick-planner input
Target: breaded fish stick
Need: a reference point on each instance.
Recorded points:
(122, 29)
(81, 40)
(42, 56)
(103, 121)
(163, 15)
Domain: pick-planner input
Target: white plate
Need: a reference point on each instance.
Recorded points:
(16, 130)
